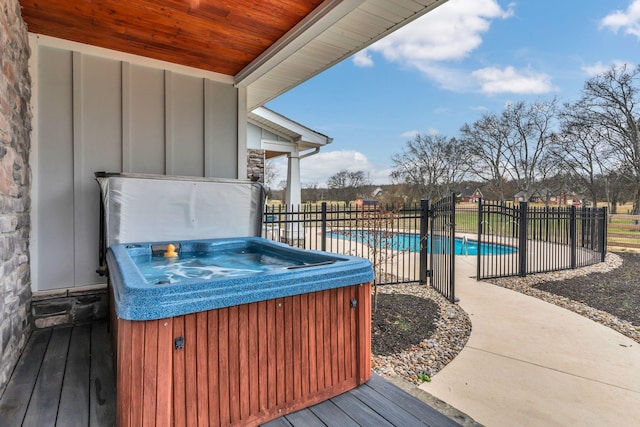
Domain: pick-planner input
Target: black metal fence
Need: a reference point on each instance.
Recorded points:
(442, 246)
(389, 237)
(519, 240)
(511, 240)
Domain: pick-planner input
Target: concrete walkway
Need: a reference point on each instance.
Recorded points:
(531, 363)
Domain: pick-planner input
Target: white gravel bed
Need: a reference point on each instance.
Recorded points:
(453, 328)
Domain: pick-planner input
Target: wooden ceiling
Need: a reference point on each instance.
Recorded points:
(222, 36)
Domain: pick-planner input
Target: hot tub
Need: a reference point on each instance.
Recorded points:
(235, 331)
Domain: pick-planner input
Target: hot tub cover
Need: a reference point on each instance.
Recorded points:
(143, 208)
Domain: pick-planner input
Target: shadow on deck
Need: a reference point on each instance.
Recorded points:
(65, 377)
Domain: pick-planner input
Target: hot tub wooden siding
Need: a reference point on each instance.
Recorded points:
(246, 364)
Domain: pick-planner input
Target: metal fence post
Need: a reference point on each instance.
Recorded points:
(603, 234)
(522, 239)
(479, 256)
(424, 235)
(323, 239)
(452, 248)
(572, 237)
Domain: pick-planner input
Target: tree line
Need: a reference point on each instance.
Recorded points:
(590, 146)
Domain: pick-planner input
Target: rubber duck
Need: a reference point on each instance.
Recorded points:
(171, 251)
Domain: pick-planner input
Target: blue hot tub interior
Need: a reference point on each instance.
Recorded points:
(210, 274)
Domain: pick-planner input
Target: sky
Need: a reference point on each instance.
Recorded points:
(447, 68)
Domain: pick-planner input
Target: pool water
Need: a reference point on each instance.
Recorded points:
(411, 242)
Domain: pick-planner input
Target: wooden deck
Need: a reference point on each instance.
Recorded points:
(65, 378)
(376, 403)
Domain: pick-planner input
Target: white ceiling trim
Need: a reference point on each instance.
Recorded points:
(322, 17)
(279, 124)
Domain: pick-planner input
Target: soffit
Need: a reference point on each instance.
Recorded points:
(267, 46)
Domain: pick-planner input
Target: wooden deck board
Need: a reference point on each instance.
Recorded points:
(64, 377)
(102, 404)
(43, 406)
(74, 397)
(331, 415)
(16, 397)
(303, 418)
(410, 403)
(86, 394)
(361, 413)
(278, 422)
(389, 409)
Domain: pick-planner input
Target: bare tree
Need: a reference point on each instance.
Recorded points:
(270, 173)
(346, 185)
(578, 149)
(311, 192)
(487, 140)
(609, 105)
(530, 132)
(431, 166)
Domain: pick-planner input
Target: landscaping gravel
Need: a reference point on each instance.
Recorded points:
(417, 339)
(416, 332)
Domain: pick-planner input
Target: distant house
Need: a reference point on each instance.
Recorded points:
(552, 198)
(366, 204)
(377, 192)
(470, 196)
(520, 197)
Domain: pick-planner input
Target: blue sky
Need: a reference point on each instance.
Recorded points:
(465, 58)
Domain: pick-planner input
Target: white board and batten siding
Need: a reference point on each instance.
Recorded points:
(95, 112)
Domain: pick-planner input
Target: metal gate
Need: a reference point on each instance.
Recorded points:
(441, 241)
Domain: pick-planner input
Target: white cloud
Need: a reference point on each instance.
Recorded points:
(449, 32)
(599, 68)
(413, 133)
(628, 20)
(363, 59)
(442, 110)
(446, 77)
(318, 168)
(493, 80)
(409, 134)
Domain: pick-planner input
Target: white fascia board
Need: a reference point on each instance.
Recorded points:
(324, 16)
(306, 134)
(279, 146)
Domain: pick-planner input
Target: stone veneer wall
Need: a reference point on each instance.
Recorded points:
(15, 185)
(255, 164)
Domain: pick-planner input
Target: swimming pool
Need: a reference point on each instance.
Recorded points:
(411, 242)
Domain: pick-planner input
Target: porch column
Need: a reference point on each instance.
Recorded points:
(293, 192)
(293, 230)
